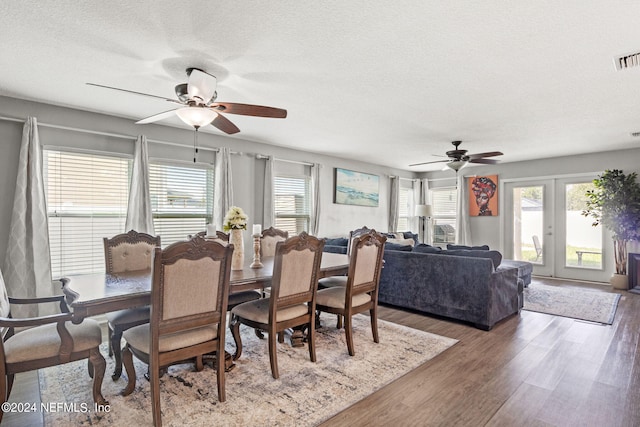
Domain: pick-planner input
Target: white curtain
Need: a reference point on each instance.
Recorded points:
(394, 193)
(27, 264)
(268, 209)
(139, 213)
(316, 201)
(223, 197)
(425, 199)
(463, 227)
(414, 223)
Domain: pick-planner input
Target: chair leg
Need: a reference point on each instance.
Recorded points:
(127, 359)
(4, 393)
(349, 333)
(234, 326)
(10, 379)
(311, 338)
(273, 357)
(109, 336)
(220, 372)
(338, 321)
(90, 368)
(374, 324)
(199, 363)
(114, 343)
(99, 366)
(154, 379)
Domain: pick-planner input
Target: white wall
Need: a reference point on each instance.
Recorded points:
(486, 230)
(248, 171)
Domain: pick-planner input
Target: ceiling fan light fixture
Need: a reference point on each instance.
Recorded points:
(196, 116)
(456, 165)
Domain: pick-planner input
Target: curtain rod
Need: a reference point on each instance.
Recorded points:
(406, 179)
(262, 156)
(113, 135)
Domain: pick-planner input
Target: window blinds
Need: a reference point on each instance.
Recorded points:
(292, 204)
(86, 201)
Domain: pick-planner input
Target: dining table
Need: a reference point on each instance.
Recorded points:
(99, 293)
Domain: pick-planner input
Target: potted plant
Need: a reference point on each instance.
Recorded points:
(615, 203)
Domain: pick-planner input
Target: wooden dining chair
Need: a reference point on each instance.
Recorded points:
(269, 239)
(292, 299)
(190, 289)
(126, 252)
(361, 291)
(331, 281)
(50, 340)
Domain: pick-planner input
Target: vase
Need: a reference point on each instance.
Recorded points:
(237, 259)
(619, 281)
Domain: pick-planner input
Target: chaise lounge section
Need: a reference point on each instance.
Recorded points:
(465, 288)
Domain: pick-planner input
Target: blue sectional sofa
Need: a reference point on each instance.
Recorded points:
(461, 286)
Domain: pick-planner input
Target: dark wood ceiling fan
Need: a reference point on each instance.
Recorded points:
(198, 105)
(458, 158)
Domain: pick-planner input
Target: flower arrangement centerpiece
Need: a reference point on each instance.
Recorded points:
(234, 223)
(236, 219)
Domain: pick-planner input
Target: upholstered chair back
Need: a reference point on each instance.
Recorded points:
(190, 284)
(130, 251)
(269, 239)
(5, 308)
(366, 262)
(295, 270)
(353, 234)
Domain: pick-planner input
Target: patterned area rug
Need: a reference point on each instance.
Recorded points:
(582, 304)
(306, 394)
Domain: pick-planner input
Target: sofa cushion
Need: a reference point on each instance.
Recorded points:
(426, 249)
(396, 247)
(494, 256)
(468, 248)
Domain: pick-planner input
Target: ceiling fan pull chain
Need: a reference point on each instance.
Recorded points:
(195, 143)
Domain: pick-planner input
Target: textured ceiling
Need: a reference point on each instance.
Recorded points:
(390, 83)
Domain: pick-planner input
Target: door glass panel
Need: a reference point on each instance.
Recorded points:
(528, 208)
(583, 247)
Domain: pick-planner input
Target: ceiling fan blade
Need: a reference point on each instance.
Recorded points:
(225, 125)
(156, 117)
(249, 110)
(135, 93)
(427, 163)
(480, 155)
(484, 161)
(201, 85)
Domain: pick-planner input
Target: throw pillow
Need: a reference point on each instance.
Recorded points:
(396, 247)
(468, 248)
(494, 256)
(426, 249)
(408, 242)
(410, 235)
(338, 241)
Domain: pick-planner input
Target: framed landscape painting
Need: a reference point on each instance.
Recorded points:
(356, 188)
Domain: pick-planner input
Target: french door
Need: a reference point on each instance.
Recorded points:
(545, 226)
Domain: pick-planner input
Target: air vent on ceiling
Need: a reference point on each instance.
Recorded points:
(627, 61)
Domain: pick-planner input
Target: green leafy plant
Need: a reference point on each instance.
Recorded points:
(615, 203)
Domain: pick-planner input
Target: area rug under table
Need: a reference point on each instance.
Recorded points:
(577, 303)
(306, 394)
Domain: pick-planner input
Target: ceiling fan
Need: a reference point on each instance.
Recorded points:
(198, 106)
(457, 158)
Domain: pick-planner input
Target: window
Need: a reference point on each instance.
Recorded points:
(181, 199)
(444, 205)
(292, 203)
(87, 198)
(405, 203)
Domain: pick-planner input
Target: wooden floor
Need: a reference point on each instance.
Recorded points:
(529, 370)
